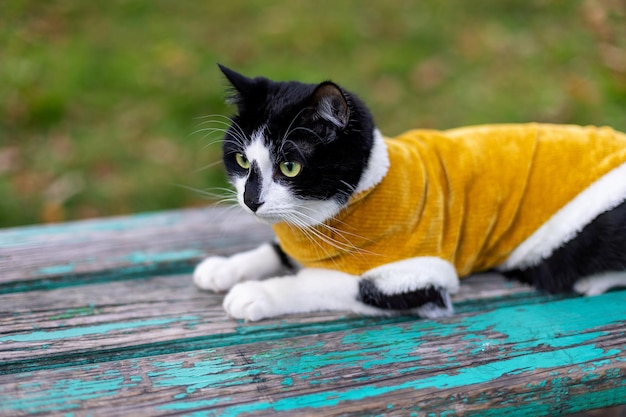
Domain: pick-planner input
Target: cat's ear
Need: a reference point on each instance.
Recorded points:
(329, 103)
(241, 85)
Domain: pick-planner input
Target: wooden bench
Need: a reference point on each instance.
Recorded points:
(101, 318)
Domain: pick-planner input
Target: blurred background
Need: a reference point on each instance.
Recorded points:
(102, 104)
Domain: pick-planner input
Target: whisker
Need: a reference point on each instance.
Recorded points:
(229, 125)
(223, 194)
(345, 245)
(205, 167)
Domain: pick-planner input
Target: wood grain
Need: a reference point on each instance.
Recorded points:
(100, 318)
(512, 360)
(119, 247)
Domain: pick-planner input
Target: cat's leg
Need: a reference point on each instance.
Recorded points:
(421, 285)
(311, 290)
(222, 273)
(592, 262)
(600, 283)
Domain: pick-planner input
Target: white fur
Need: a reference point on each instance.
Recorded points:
(257, 152)
(600, 283)
(377, 166)
(277, 199)
(413, 274)
(603, 195)
(327, 111)
(221, 274)
(433, 311)
(309, 291)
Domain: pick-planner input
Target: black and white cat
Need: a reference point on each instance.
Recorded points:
(300, 154)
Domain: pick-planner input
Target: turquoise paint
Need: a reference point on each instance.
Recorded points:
(39, 336)
(20, 236)
(62, 269)
(465, 377)
(392, 345)
(75, 312)
(161, 257)
(188, 405)
(585, 313)
(134, 258)
(174, 373)
(66, 394)
(203, 373)
(369, 351)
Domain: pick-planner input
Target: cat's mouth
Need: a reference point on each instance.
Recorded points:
(306, 213)
(268, 218)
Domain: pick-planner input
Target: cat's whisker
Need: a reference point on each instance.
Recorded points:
(229, 124)
(306, 129)
(303, 219)
(205, 167)
(288, 131)
(217, 193)
(308, 232)
(319, 238)
(345, 244)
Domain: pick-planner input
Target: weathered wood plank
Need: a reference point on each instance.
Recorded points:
(539, 359)
(86, 251)
(98, 322)
(157, 345)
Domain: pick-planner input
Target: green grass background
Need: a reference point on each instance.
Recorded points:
(99, 100)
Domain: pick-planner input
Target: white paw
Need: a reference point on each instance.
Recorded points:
(433, 311)
(219, 274)
(250, 301)
(600, 283)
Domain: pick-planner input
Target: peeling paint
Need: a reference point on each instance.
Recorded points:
(76, 332)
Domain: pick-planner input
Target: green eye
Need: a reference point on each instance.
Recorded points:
(290, 169)
(242, 160)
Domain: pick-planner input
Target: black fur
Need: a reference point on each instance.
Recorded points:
(330, 132)
(599, 247)
(319, 145)
(371, 295)
(285, 260)
(252, 192)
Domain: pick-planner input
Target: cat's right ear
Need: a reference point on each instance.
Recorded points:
(241, 86)
(330, 103)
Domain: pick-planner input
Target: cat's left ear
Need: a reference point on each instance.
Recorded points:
(330, 104)
(239, 82)
(241, 86)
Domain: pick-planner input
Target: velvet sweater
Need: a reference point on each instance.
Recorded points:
(470, 196)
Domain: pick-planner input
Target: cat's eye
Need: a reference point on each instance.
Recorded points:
(242, 161)
(290, 169)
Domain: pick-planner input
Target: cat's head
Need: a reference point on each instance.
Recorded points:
(296, 152)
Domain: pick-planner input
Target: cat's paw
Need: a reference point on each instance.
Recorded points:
(436, 310)
(600, 283)
(219, 274)
(250, 301)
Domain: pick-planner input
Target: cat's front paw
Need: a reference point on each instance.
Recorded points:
(250, 301)
(219, 274)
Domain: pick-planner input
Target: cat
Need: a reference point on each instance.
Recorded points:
(379, 226)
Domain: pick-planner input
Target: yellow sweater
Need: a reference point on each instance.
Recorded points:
(469, 196)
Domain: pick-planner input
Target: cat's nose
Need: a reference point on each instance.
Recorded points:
(252, 192)
(253, 204)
